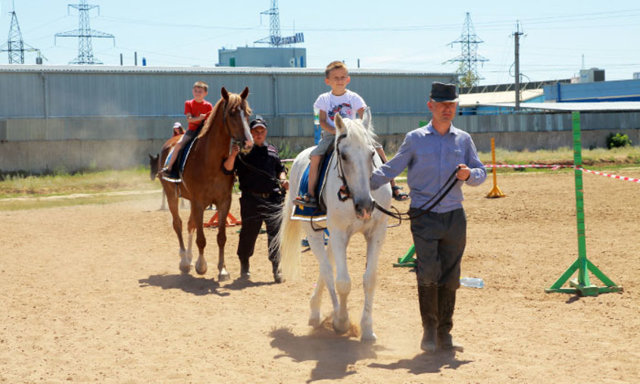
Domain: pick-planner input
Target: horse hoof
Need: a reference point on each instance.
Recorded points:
(201, 268)
(224, 276)
(185, 268)
(369, 338)
(314, 322)
(341, 327)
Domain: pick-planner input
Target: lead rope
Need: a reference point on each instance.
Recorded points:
(447, 186)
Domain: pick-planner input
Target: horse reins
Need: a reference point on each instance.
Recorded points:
(263, 173)
(447, 186)
(344, 193)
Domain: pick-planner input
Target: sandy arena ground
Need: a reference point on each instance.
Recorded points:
(93, 294)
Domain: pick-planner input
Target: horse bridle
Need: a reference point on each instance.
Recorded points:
(224, 122)
(343, 192)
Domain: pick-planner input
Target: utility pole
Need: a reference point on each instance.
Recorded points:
(84, 33)
(516, 36)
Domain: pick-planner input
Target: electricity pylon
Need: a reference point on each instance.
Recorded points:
(84, 33)
(274, 39)
(15, 46)
(469, 58)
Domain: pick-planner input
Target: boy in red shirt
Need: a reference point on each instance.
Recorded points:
(196, 110)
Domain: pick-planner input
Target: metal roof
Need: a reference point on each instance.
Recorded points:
(208, 70)
(568, 107)
(474, 99)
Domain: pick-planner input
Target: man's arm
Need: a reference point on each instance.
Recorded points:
(283, 180)
(229, 163)
(477, 173)
(393, 167)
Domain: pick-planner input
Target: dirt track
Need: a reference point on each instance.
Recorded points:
(93, 294)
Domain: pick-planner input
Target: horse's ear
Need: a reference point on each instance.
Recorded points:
(341, 128)
(366, 118)
(245, 93)
(224, 93)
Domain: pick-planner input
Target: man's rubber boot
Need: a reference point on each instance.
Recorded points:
(244, 269)
(446, 306)
(428, 299)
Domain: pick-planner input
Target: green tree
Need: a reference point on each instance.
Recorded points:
(467, 78)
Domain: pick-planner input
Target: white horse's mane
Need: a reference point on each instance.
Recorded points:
(357, 131)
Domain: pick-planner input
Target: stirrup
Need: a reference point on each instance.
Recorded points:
(307, 201)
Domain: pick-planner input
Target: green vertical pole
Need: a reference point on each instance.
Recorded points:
(582, 286)
(583, 276)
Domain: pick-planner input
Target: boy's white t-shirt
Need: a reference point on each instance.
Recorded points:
(347, 105)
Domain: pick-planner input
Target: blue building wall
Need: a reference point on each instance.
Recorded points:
(621, 90)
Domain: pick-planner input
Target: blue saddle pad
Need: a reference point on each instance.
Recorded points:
(308, 212)
(178, 168)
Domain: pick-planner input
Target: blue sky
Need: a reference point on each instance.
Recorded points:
(403, 35)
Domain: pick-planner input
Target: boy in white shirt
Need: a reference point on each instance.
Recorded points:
(339, 100)
(348, 104)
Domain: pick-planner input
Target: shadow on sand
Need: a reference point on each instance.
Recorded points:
(334, 354)
(188, 283)
(199, 285)
(424, 363)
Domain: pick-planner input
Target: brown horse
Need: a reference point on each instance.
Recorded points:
(203, 182)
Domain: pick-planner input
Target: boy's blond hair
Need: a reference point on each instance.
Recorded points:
(201, 84)
(335, 65)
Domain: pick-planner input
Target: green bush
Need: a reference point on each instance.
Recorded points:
(617, 140)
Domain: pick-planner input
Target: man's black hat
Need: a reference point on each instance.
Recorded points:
(441, 92)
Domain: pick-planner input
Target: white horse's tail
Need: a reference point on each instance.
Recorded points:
(288, 242)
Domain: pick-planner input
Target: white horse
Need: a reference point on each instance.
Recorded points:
(354, 160)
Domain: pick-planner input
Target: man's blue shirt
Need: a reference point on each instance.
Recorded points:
(431, 158)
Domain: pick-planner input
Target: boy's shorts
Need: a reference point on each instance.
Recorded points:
(323, 145)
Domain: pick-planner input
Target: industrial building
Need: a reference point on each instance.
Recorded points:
(263, 57)
(79, 117)
(110, 117)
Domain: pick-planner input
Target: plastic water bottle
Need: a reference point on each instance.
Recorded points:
(472, 282)
(317, 130)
